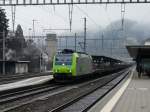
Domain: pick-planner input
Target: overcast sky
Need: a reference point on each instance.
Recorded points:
(97, 16)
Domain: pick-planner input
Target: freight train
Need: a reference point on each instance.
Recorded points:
(69, 64)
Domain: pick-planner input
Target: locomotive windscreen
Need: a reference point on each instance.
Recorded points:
(63, 59)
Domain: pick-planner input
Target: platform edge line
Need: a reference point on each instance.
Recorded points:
(112, 102)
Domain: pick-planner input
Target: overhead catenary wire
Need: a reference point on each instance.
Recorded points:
(56, 14)
(20, 18)
(54, 8)
(16, 19)
(13, 12)
(70, 16)
(108, 17)
(87, 15)
(70, 6)
(111, 27)
(122, 15)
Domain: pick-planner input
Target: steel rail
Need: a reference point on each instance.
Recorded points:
(67, 104)
(84, 84)
(12, 78)
(98, 99)
(5, 98)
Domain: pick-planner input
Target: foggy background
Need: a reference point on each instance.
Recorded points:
(104, 23)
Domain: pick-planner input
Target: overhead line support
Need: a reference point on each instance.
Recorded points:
(85, 34)
(65, 2)
(13, 11)
(4, 53)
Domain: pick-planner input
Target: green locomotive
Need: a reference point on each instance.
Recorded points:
(69, 64)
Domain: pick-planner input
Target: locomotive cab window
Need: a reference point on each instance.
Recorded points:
(63, 59)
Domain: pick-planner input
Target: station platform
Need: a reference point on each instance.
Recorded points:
(131, 95)
(26, 82)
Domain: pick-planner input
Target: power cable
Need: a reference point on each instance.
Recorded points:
(18, 18)
(70, 15)
(88, 16)
(57, 14)
(122, 16)
(13, 12)
(108, 17)
(54, 8)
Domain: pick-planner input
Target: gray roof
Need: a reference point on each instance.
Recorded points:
(11, 61)
(136, 50)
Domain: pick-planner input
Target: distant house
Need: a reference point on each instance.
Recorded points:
(14, 67)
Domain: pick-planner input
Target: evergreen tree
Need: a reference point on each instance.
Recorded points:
(3, 28)
(19, 32)
(3, 23)
(17, 43)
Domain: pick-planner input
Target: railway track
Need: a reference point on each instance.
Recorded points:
(84, 102)
(74, 96)
(12, 78)
(16, 94)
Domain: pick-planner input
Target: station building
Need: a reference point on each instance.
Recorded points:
(14, 67)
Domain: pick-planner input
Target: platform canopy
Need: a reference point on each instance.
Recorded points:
(139, 50)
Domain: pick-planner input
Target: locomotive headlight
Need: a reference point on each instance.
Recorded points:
(70, 70)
